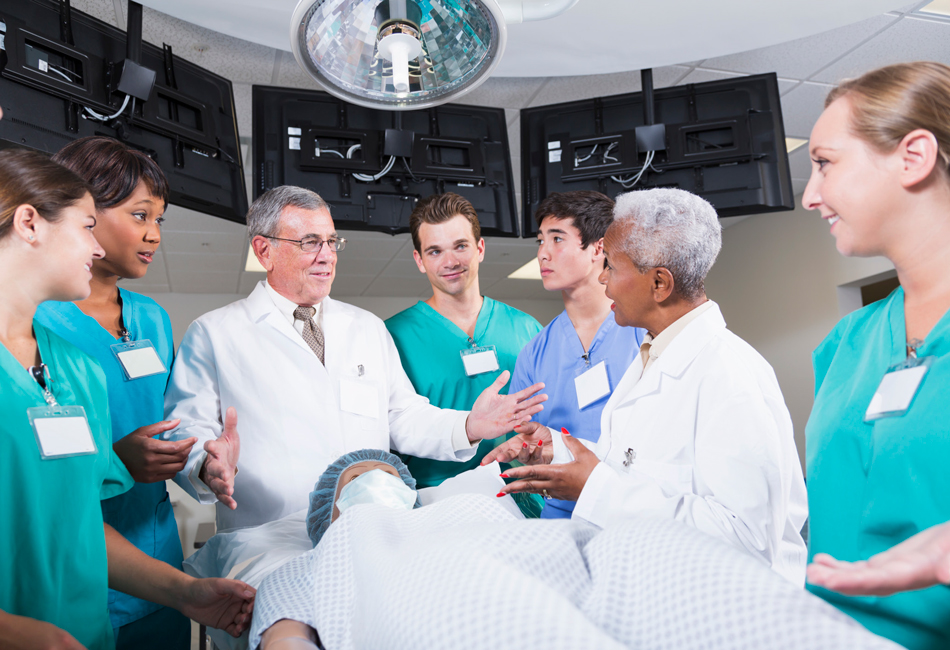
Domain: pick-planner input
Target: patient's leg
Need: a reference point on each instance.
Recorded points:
(287, 634)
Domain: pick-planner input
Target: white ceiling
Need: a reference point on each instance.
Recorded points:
(202, 254)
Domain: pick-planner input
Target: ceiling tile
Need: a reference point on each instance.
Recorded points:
(371, 245)
(242, 107)
(232, 58)
(205, 243)
(801, 108)
(701, 75)
(909, 39)
(566, 89)
(189, 263)
(803, 57)
(798, 186)
(143, 285)
(249, 282)
(290, 74)
(104, 10)
(355, 266)
(799, 162)
(399, 287)
(350, 284)
(504, 92)
(191, 282)
(402, 267)
(506, 289)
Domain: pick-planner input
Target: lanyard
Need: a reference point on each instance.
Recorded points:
(42, 377)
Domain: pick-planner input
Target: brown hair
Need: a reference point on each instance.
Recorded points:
(440, 208)
(30, 178)
(590, 212)
(112, 169)
(890, 102)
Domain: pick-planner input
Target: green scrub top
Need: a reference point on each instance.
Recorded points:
(52, 548)
(430, 347)
(873, 485)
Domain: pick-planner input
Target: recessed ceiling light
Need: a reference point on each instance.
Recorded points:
(530, 271)
(939, 7)
(791, 144)
(252, 265)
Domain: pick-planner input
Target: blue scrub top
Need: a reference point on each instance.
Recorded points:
(555, 356)
(144, 514)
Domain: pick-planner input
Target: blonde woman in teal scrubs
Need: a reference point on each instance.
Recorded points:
(878, 439)
(57, 558)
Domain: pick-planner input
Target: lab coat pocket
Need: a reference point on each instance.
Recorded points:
(672, 478)
(359, 399)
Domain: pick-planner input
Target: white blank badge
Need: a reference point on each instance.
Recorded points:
(138, 359)
(479, 360)
(592, 385)
(359, 397)
(61, 431)
(895, 392)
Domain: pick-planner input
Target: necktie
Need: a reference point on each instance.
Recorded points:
(312, 333)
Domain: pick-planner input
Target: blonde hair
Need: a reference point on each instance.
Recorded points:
(890, 102)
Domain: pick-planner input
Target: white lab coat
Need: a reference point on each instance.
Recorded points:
(711, 444)
(248, 355)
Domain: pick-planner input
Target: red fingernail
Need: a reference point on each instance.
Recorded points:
(500, 494)
(524, 445)
(504, 476)
(540, 442)
(565, 431)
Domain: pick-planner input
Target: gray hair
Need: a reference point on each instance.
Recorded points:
(672, 229)
(263, 217)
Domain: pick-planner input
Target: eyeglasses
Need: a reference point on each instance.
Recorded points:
(311, 244)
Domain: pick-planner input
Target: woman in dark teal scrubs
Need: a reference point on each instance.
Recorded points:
(57, 558)
(877, 448)
(131, 194)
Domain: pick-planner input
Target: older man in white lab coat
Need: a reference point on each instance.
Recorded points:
(697, 429)
(312, 379)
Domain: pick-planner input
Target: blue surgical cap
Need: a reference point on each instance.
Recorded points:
(324, 492)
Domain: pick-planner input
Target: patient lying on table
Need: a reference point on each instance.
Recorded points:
(465, 573)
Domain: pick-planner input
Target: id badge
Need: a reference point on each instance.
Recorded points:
(897, 389)
(61, 431)
(138, 359)
(592, 385)
(478, 360)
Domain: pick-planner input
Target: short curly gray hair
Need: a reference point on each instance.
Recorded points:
(263, 217)
(672, 229)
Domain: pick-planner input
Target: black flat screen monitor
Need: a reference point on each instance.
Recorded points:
(723, 140)
(340, 151)
(187, 124)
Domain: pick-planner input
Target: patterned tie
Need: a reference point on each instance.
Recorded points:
(312, 333)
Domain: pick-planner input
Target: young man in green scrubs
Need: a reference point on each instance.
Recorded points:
(454, 344)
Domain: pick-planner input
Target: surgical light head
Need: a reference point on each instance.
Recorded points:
(360, 471)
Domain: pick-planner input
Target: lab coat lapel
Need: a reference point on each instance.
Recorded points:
(336, 323)
(677, 357)
(265, 313)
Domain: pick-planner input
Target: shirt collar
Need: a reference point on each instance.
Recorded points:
(286, 306)
(662, 341)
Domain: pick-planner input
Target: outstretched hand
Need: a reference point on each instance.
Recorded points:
(494, 414)
(555, 481)
(916, 563)
(221, 463)
(23, 633)
(532, 446)
(220, 603)
(150, 460)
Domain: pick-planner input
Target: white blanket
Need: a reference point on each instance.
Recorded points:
(463, 573)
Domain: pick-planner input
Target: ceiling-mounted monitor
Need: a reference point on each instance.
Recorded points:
(65, 75)
(373, 166)
(723, 140)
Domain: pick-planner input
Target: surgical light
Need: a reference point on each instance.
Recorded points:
(398, 54)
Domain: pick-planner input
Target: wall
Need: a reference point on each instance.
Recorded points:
(777, 280)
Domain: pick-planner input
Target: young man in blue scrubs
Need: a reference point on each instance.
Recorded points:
(582, 354)
(456, 343)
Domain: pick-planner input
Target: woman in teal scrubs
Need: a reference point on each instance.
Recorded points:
(878, 439)
(131, 194)
(57, 558)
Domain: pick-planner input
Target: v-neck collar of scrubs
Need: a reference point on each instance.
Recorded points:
(481, 323)
(573, 341)
(936, 342)
(21, 376)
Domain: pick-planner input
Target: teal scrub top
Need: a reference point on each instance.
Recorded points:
(873, 485)
(144, 514)
(430, 347)
(52, 544)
